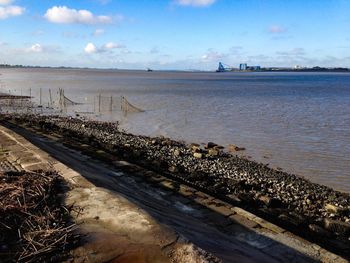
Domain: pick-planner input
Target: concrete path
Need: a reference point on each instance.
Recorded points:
(134, 215)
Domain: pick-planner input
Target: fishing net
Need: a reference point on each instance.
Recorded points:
(14, 101)
(69, 102)
(126, 106)
(103, 104)
(64, 102)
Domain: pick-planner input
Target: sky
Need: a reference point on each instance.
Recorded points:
(175, 34)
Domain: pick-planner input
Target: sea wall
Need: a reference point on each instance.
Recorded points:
(311, 210)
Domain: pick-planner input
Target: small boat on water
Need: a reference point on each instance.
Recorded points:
(149, 70)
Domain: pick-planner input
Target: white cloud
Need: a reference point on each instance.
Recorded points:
(212, 55)
(98, 32)
(275, 29)
(112, 45)
(65, 15)
(196, 3)
(5, 2)
(90, 48)
(12, 10)
(36, 48)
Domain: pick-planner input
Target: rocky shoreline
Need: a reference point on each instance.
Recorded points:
(316, 212)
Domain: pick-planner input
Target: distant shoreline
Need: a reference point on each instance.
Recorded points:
(267, 69)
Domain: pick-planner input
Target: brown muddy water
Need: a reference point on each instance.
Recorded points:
(297, 121)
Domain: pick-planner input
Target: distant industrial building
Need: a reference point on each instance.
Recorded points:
(243, 66)
(297, 67)
(254, 68)
(223, 68)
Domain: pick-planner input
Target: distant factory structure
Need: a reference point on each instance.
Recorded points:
(245, 67)
(242, 67)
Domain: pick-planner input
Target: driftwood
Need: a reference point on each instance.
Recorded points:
(34, 225)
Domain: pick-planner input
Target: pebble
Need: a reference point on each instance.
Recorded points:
(198, 155)
(332, 208)
(177, 153)
(210, 145)
(213, 152)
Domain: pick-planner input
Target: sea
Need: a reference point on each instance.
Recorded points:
(296, 121)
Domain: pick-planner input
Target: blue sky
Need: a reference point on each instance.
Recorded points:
(175, 34)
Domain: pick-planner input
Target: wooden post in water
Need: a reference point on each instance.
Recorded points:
(64, 101)
(30, 98)
(59, 98)
(99, 103)
(21, 99)
(127, 105)
(122, 104)
(40, 103)
(111, 104)
(51, 104)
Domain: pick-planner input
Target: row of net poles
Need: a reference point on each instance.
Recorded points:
(31, 99)
(50, 102)
(99, 103)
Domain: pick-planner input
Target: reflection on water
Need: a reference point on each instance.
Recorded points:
(298, 121)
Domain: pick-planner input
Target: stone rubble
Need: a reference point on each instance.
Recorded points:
(286, 199)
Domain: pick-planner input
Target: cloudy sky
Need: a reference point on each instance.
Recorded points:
(175, 34)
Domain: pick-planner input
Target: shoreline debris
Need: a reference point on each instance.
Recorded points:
(34, 224)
